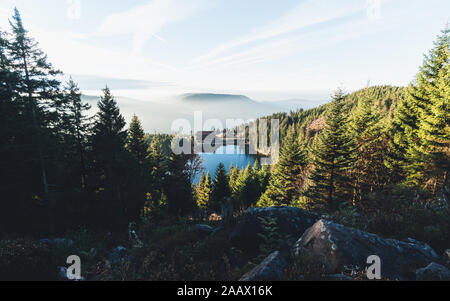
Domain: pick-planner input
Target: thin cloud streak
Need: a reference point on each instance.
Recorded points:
(146, 21)
(307, 13)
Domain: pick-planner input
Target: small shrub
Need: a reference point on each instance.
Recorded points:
(271, 239)
(401, 212)
(306, 266)
(347, 215)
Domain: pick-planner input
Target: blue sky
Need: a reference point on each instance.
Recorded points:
(265, 49)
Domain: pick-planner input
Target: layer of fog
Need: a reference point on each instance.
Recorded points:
(158, 116)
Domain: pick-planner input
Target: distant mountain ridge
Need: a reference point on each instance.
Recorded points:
(165, 111)
(212, 97)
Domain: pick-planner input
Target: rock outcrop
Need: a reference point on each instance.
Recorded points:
(433, 272)
(290, 221)
(339, 247)
(271, 269)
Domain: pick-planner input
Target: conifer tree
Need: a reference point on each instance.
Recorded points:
(203, 191)
(332, 159)
(136, 143)
(434, 131)
(178, 186)
(287, 177)
(109, 133)
(75, 128)
(139, 168)
(244, 190)
(220, 189)
(199, 191)
(234, 173)
(14, 168)
(207, 190)
(158, 166)
(39, 91)
(411, 125)
(431, 154)
(263, 177)
(368, 171)
(109, 155)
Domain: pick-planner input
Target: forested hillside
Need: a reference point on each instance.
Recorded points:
(376, 159)
(311, 122)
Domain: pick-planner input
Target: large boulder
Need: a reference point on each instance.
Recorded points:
(271, 269)
(291, 222)
(341, 247)
(433, 272)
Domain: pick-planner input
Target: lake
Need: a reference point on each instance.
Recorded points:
(229, 154)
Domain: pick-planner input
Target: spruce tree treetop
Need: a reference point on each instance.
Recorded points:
(73, 109)
(39, 77)
(415, 116)
(365, 118)
(74, 127)
(221, 188)
(332, 158)
(137, 144)
(109, 133)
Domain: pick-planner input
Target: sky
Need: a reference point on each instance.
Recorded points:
(268, 50)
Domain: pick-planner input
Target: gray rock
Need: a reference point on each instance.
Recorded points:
(339, 246)
(271, 269)
(203, 230)
(433, 272)
(290, 221)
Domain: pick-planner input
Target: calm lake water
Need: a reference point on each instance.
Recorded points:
(230, 154)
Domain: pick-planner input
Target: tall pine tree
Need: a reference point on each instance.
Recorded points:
(178, 186)
(75, 126)
(368, 171)
(136, 143)
(220, 189)
(431, 153)
(288, 175)
(109, 156)
(413, 120)
(39, 90)
(332, 159)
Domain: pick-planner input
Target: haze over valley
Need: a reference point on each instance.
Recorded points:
(163, 111)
